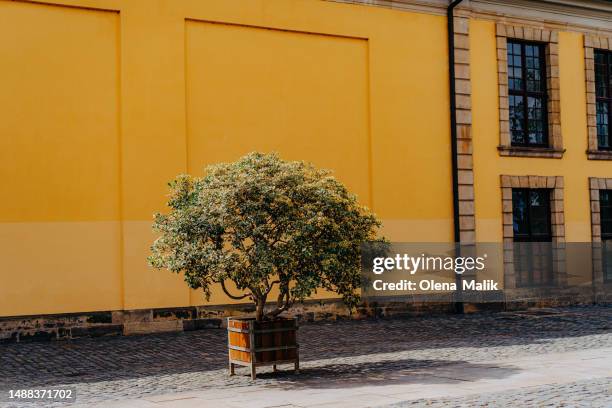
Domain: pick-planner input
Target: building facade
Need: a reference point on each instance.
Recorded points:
(104, 101)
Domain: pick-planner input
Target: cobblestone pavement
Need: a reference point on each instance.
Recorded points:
(343, 352)
(587, 394)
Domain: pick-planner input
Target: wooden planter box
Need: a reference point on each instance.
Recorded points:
(254, 344)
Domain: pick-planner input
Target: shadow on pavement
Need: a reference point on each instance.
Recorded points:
(374, 373)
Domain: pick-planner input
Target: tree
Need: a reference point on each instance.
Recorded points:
(262, 223)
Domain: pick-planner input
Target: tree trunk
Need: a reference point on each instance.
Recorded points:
(259, 311)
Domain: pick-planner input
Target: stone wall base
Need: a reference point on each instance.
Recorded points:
(133, 322)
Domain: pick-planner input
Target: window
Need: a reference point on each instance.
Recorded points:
(603, 98)
(534, 232)
(532, 235)
(605, 214)
(531, 215)
(527, 94)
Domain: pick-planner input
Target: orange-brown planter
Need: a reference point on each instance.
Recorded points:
(254, 344)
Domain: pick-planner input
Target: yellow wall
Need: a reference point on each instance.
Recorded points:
(574, 166)
(488, 165)
(104, 101)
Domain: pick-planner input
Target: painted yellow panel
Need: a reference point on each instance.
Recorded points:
(58, 113)
(412, 178)
(577, 169)
(59, 135)
(417, 230)
(59, 267)
(302, 95)
(485, 130)
(153, 105)
(146, 287)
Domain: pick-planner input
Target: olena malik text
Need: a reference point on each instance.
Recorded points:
(427, 285)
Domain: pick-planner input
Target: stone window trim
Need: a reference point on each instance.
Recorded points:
(596, 184)
(522, 151)
(557, 221)
(504, 32)
(553, 183)
(592, 43)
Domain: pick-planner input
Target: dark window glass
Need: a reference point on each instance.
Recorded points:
(603, 89)
(532, 235)
(527, 94)
(531, 215)
(606, 259)
(605, 213)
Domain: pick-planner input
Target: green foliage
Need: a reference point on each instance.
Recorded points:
(262, 222)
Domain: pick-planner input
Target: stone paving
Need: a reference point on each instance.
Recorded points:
(344, 353)
(588, 394)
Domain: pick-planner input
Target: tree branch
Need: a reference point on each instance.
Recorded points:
(284, 293)
(229, 294)
(270, 286)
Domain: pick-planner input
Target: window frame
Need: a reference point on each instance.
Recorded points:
(555, 185)
(608, 99)
(530, 237)
(525, 93)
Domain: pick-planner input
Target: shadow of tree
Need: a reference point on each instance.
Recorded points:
(373, 373)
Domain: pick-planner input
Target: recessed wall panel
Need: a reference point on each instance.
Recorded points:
(303, 95)
(59, 159)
